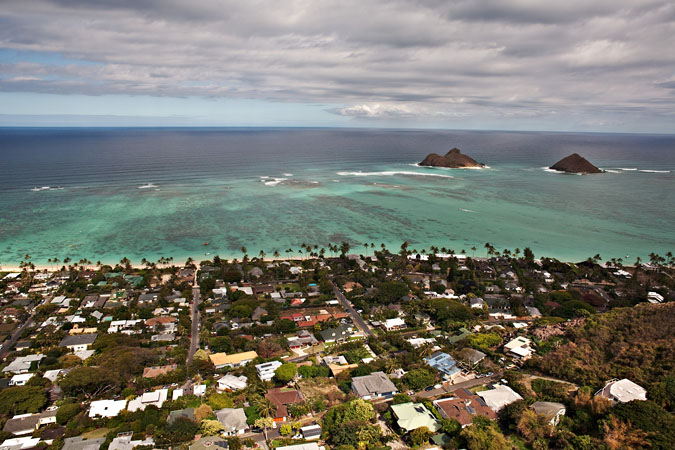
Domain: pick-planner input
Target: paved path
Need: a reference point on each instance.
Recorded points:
(358, 321)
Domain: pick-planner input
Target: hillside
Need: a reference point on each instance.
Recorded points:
(634, 343)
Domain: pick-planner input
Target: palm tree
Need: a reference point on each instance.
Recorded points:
(426, 349)
(473, 249)
(276, 253)
(265, 407)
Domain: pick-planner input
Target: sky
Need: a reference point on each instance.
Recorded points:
(576, 65)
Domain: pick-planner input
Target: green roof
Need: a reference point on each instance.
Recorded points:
(415, 415)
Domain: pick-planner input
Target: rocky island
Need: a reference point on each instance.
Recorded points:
(454, 159)
(575, 163)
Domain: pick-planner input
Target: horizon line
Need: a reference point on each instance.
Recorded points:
(336, 127)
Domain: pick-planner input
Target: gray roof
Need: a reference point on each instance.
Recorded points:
(376, 383)
(547, 409)
(25, 423)
(78, 339)
(77, 443)
(232, 419)
(340, 332)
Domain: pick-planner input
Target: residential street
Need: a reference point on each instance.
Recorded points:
(358, 321)
(194, 340)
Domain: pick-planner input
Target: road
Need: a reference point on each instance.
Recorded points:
(9, 344)
(194, 340)
(358, 321)
(454, 387)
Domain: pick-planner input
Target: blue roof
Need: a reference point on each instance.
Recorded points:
(443, 363)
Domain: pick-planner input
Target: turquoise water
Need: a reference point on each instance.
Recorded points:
(146, 193)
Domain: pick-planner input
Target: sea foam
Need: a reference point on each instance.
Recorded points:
(389, 173)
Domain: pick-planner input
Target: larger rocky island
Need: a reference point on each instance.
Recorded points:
(454, 159)
(575, 164)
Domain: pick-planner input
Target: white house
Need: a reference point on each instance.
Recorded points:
(232, 383)
(266, 370)
(156, 398)
(499, 397)
(22, 364)
(393, 324)
(106, 408)
(622, 391)
(20, 379)
(519, 347)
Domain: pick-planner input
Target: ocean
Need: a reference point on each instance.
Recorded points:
(104, 194)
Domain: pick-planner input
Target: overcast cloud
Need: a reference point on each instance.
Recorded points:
(602, 65)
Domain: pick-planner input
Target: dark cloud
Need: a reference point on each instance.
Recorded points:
(375, 58)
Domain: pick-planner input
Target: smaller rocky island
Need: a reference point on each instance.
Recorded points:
(575, 163)
(454, 159)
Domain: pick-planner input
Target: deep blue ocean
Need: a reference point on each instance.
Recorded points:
(104, 194)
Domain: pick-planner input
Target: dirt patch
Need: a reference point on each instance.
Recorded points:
(323, 388)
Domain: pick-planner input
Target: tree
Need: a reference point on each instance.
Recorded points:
(202, 412)
(265, 407)
(419, 378)
(419, 436)
(67, 412)
(211, 427)
(90, 381)
(621, 435)
(22, 399)
(484, 435)
(286, 429)
(286, 372)
(264, 423)
(400, 398)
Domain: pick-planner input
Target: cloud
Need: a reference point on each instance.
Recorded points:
(379, 59)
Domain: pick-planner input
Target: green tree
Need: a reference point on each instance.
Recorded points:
(286, 372)
(90, 381)
(484, 435)
(22, 399)
(264, 423)
(419, 436)
(211, 427)
(419, 378)
(67, 412)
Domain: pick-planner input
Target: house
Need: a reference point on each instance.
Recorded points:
(20, 379)
(281, 398)
(443, 363)
(464, 407)
(28, 423)
(338, 334)
(106, 408)
(148, 299)
(210, 443)
(258, 313)
(221, 360)
(187, 413)
(311, 432)
(20, 443)
(654, 297)
(519, 348)
(164, 323)
(155, 371)
(232, 383)
(552, 411)
(337, 364)
(411, 416)
(78, 342)
(23, 364)
(375, 385)
(477, 303)
(305, 446)
(393, 324)
(79, 443)
(266, 370)
(123, 442)
(302, 339)
(622, 391)
(124, 326)
(499, 397)
(156, 398)
(233, 419)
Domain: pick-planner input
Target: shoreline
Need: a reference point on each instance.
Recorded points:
(182, 263)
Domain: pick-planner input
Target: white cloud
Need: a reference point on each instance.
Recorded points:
(381, 59)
